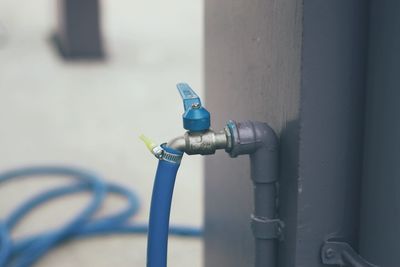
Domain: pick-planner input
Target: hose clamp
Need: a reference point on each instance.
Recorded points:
(163, 154)
(265, 228)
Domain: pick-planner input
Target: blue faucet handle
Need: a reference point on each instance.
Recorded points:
(195, 118)
(189, 97)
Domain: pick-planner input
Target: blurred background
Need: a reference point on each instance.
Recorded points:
(89, 113)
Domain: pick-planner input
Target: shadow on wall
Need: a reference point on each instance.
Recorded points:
(289, 188)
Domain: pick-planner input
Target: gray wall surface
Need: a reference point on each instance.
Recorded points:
(300, 66)
(252, 70)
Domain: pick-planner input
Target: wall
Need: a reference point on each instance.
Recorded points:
(252, 70)
(300, 66)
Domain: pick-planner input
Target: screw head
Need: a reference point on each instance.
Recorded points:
(330, 253)
(196, 105)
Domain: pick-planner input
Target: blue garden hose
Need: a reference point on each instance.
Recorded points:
(27, 251)
(157, 240)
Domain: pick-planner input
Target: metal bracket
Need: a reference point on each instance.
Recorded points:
(342, 254)
(264, 228)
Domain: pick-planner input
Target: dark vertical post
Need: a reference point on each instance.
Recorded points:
(380, 214)
(78, 34)
(332, 121)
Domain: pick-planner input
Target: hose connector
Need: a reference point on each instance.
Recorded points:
(162, 152)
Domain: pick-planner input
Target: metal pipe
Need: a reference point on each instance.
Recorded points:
(200, 143)
(177, 143)
(256, 139)
(261, 143)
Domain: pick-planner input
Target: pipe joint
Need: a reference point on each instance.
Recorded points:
(249, 136)
(258, 140)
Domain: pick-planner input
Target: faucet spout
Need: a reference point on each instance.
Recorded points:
(177, 143)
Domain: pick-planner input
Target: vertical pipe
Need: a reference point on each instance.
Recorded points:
(265, 248)
(261, 143)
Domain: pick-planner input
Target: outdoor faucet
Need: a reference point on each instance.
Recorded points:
(256, 139)
(199, 138)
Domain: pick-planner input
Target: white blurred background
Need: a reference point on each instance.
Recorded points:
(89, 114)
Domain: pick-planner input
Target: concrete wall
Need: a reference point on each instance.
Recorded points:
(300, 66)
(252, 70)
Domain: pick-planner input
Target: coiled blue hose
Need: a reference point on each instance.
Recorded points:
(27, 251)
(157, 239)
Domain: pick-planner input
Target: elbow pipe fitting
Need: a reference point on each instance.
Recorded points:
(249, 136)
(200, 143)
(260, 142)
